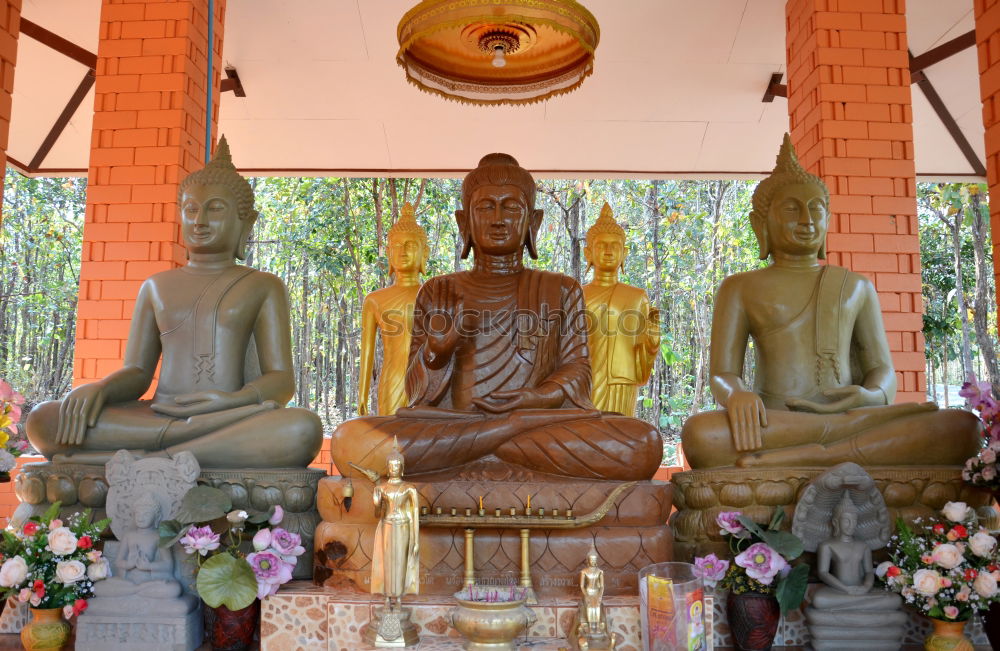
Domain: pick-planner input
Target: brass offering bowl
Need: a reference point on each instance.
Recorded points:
(491, 625)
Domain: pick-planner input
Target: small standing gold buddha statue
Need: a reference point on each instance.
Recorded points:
(591, 630)
(390, 311)
(623, 328)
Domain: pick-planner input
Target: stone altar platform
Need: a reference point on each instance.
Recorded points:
(700, 495)
(632, 535)
(80, 486)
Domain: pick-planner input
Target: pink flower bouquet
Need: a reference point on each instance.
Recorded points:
(51, 563)
(761, 560)
(946, 567)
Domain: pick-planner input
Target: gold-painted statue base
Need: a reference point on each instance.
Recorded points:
(700, 495)
(582, 637)
(390, 630)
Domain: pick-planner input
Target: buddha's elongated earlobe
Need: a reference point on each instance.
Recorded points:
(759, 225)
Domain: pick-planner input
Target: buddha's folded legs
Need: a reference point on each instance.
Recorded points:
(906, 434)
(557, 441)
(245, 437)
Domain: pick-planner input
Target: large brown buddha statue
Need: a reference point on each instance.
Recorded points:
(499, 371)
(824, 383)
(501, 417)
(220, 332)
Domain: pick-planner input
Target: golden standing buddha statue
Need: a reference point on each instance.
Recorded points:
(390, 311)
(624, 329)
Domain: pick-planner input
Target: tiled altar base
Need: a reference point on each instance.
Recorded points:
(304, 616)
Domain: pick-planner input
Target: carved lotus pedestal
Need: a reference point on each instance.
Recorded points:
(79, 486)
(632, 535)
(910, 492)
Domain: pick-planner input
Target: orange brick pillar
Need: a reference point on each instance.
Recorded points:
(849, 110)
(10, 29)
(988, 46)
(149, 132)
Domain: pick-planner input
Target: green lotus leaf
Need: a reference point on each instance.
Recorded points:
(225, 580)
(203, 504)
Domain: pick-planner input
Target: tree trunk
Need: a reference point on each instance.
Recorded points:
(984, 305)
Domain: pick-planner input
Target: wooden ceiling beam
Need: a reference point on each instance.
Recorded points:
(58, 43)
(60, 124)
(942, 52)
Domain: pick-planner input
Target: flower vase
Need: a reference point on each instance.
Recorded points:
(47, 630)
(233, 630)
(753, 620)
(947, 636)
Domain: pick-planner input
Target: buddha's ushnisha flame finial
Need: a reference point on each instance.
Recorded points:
(407, 224)
(605, 224)
(222, 158)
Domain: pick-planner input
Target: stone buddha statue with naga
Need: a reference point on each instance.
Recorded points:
(500, 411)
(499, 371)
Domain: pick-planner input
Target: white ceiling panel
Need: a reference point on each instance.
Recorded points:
(676, 90)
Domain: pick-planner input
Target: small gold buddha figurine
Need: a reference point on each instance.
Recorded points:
(591, 629)
(623, 329)
(390, 311)
(395, 553)
(824, 382)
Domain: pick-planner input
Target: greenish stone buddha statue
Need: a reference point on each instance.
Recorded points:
(824, 384)
(220, 333)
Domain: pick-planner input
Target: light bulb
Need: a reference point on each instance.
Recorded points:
(498, 57)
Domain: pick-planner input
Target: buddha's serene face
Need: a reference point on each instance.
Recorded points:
(845, 524)
(498, 219)
(592, 560)
(606, 252)
(145, 514)
(406, 252)
(395, 467)
(797, 220)
(210, 219)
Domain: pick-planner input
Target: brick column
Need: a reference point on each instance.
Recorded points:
(988, 46)
(149, 132)
(851, 122)
(10, 28)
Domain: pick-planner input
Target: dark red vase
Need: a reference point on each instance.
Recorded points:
(233, 630)
(753, 620)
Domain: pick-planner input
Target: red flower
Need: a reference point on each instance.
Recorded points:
(893, 571)
(938, 528)
(958, 532)
(993, 567)
(79, 606)
(84, 542)
(30, 528)
(39, 588)
(970, 574)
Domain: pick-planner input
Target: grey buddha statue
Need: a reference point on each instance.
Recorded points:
(824, 384)
(846, 613)
(221, 334)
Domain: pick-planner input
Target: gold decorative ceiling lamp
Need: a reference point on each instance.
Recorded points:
(497, 51)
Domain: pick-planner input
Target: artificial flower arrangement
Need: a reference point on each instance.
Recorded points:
(761, 560)
(947, 568)
(239, 558)
(983, 469)
(11, 403)
(51, 563)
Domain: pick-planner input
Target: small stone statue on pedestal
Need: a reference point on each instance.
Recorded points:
(396, 554)
(843, 518)
(591, 630)
(144, 603)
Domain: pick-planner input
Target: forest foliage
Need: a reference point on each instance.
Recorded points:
(326, 237)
